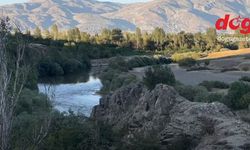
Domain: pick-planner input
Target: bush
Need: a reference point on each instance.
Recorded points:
(32, 101)
(237, 96)
(187, 62)
(72, 66)
(118, 63)
(163, 60)
(214, 84)
(180, 56)
(198, 94)
(86, 65)
(207, 62)
(245, 78)
(245, 100)
(49, 68)
(158, 74)
(31, 112)
(75, 132)
(147, 61)
(214, 97)
(245, 66)
(141, 61)
(189, 92)
(114, 79)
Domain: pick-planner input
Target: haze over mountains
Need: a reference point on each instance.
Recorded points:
(92, 16)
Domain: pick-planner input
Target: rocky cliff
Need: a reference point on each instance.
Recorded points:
(179, 123)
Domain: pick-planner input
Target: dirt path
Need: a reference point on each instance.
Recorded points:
(228, 53)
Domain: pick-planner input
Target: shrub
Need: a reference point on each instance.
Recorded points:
(206, 62)
(114, 79)
(187, 62)
(207, 97)
(245, 78)
(198, 94)
(245, 100)
(214, 97)
(32, 101)
(237, 96)
(189, 92)
(141, 61)
(214, 84)
(86, 65)
(56, 69)
(121, 80)
(72, 66)
(180, 56)
(75, 132)
(245, 68)
(118, 63)
(147, 61)
(30, 113)
(163, 60)
(158, 74)
(49, 68)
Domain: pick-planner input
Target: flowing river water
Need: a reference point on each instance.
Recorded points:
(77, 93)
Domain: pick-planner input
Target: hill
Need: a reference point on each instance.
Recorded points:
(91, 15)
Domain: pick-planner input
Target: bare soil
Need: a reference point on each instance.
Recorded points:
(216, 74)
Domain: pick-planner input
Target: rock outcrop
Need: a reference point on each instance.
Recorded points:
(179, 123)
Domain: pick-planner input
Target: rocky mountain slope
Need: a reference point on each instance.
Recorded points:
(177, 122)
(85, 14)
(92, 15)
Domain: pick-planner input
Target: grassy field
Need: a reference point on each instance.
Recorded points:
(228, 53)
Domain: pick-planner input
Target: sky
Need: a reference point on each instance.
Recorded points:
(2, 2)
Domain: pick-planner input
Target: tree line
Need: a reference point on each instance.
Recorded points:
(157, 40)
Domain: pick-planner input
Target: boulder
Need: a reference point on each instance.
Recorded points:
(177, 122)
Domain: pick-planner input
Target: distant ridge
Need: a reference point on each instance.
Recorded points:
(92, 16)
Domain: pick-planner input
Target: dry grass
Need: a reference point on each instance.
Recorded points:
(228, 53)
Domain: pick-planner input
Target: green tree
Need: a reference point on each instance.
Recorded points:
(211, 38)
(199, 41)
(54, 32)
(27, 32)
(46, 34)
(77, 34)
(85, 37)
(70, 35)
(148, 43)
(116, 36)
(139, 39)
(38, 33)
(158, 36)
(105, 36)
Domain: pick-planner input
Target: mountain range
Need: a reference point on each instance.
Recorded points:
(92, 16)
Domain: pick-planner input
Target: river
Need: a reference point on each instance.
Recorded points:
(77, 93)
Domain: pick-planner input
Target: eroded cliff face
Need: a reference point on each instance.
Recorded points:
(179, 123)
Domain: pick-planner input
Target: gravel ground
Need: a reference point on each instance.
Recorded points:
(196, 77)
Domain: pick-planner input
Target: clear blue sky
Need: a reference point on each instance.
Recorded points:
(2, 2)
